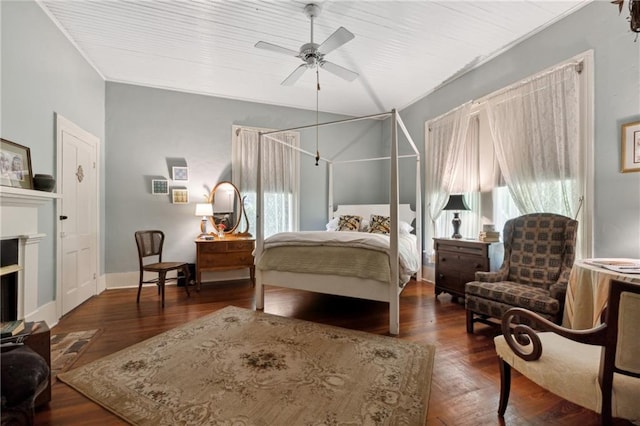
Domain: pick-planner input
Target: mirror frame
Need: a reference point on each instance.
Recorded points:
(237, 202)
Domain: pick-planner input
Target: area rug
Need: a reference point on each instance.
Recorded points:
(241, 367)
(67, 347)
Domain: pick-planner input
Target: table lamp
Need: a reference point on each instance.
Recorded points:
(456, 202)
(205, 210)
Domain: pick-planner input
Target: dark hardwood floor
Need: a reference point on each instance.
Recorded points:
(465, 384)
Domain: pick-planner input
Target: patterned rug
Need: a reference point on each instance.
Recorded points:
(67, 347)
(241, 367)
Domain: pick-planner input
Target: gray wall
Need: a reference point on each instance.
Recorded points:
(149, 130)
(596, 26)
(43, 74)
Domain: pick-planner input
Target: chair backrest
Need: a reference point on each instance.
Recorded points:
(622, 339)
(149, 244)
(539, 248)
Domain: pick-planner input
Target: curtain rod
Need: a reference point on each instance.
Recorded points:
(579, 65)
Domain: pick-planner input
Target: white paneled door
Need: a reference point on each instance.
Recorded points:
(78, 218)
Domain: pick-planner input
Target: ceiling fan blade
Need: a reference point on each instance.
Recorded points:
(275, 48)
(341, 72)
(295, 75)
(335, 40)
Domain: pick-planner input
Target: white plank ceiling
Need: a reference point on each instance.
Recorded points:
(402, 50)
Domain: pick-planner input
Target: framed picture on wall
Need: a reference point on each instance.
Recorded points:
(15, 165)
(159, 186)
(180, 174)
(180, 196)
(630, 148)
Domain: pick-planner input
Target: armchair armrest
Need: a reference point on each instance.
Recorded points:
(491, 277)
(520, 336)
(558, 291)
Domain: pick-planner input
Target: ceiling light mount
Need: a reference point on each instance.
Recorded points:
(312, 10)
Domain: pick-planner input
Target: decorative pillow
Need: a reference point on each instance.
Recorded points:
(364, 225)
(349, 223)
(379, 224)
(333, 224)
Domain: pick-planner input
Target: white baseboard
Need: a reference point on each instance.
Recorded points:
(130, 279)
(429, 272)
(46, 312)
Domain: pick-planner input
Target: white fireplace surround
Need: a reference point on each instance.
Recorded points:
(19, 220)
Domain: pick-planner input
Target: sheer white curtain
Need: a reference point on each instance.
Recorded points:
(535, 129)
(445, 138)
(280, 172)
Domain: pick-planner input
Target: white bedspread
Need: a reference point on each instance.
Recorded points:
(409, 254)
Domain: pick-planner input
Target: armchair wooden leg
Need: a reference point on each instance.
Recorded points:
(469, 321)
(505, 386)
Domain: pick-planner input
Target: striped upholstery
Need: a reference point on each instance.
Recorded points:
(539, 253)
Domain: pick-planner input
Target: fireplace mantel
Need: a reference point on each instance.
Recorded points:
(10, 196)
(19, 209)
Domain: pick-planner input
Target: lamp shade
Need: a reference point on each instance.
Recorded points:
(204, 209)
(456, 202)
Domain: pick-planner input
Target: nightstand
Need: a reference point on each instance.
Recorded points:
(457, 262)
(223, 254)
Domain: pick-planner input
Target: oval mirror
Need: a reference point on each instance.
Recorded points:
(227, 206)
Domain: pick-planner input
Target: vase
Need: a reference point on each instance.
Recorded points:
(44, 182)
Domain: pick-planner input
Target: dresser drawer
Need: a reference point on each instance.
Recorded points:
(240, 246)
(240, 259)
(226, 247)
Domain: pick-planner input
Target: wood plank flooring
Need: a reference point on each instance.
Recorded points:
(465, 384)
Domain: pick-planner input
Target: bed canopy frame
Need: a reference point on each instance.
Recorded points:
(396, 124)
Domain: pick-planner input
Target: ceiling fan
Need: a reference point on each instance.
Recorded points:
(312, 54)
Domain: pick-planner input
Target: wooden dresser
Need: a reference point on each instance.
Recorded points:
(223, 254)
(457, 262)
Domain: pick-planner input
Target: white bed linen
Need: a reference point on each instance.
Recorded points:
(408, 252)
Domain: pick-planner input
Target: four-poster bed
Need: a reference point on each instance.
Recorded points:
(385, 288)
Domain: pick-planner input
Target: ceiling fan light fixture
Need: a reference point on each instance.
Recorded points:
(312, 54)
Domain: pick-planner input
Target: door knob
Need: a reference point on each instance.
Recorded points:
(64, 217)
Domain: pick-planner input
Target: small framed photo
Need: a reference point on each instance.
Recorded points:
(159, 186)
(180, 196)
(180, 174)
(15, 165)
(630, 149)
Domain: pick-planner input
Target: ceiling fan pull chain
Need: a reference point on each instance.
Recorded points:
(317, 121)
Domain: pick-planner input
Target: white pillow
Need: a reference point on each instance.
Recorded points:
(364, 225)
(333, 224)
(405, 228)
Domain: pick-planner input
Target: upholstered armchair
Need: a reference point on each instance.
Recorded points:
(539, 250)
(598, 369)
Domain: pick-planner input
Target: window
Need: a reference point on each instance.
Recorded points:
(533, 152)
(280, 172)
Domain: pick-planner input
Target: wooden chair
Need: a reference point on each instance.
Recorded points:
(150, 244)
(598, 368)
(539, 250)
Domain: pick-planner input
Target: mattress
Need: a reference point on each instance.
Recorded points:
(356, 254)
